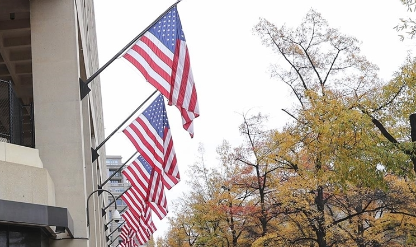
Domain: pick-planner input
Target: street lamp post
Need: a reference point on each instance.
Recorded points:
(116, 215)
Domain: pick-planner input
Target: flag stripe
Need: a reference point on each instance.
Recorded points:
(142, 149)
(159, 53)
(137, 179)
(156, 69)
(134, 201)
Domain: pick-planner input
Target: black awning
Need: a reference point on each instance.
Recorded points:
(28, 214)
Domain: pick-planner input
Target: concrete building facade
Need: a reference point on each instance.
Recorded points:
(45, 47)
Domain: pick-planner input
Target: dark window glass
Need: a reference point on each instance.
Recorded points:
(3, 238)
(12, 236)
(25, 239)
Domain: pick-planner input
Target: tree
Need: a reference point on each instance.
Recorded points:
(212, 212)
(339, 174)
(336, 140)
(407, 25)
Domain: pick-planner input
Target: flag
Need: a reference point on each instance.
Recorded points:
(146, 187)
(128, 235)
(150, 134)
(162, 56)
(157, 197)
(138, 173)
(134, 201)
(148, 219)
(131, 220)
(142, 235)
(141, 212)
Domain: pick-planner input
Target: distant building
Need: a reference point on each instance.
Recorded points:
(117, 185)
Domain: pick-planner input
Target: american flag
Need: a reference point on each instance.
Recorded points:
(134, 223)
(143, 223)
(128, 235)
(134, 201)
(146, 187)
(150, 134)
(138, 175)
(148, 219)
(124, 234)
(162, 56)
(157, 197)
(142, 236)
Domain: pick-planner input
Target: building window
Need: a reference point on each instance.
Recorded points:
(11, 236)
(120, 202)
(110, 173)
(111, 161)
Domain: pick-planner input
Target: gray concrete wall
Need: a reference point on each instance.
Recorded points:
(59, 115)
(63, 50)
(22, 176)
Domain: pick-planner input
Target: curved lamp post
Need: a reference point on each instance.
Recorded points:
(116, 215)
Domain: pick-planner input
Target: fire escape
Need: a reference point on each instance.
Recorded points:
(16, 82)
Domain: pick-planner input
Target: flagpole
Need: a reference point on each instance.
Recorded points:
(114, 240)
(119, 169)
(94, 153)
(84, 89)
(116, 199)
(115, 229)
(124, 209)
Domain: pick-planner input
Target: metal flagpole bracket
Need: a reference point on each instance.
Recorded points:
(94, 154)
(83, 88)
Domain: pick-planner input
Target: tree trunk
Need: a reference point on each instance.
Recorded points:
(360, 227)
(320, 230)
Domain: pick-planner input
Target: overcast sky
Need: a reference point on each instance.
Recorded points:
(229, 63)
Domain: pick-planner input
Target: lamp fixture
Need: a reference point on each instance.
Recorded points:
(116, 213)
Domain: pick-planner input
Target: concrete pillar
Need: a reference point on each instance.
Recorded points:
(59, 115)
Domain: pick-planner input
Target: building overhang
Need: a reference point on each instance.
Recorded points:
(54, 220)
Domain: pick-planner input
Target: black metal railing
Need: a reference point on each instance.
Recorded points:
(16, 119)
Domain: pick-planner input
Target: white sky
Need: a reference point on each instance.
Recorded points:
(229, 63)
